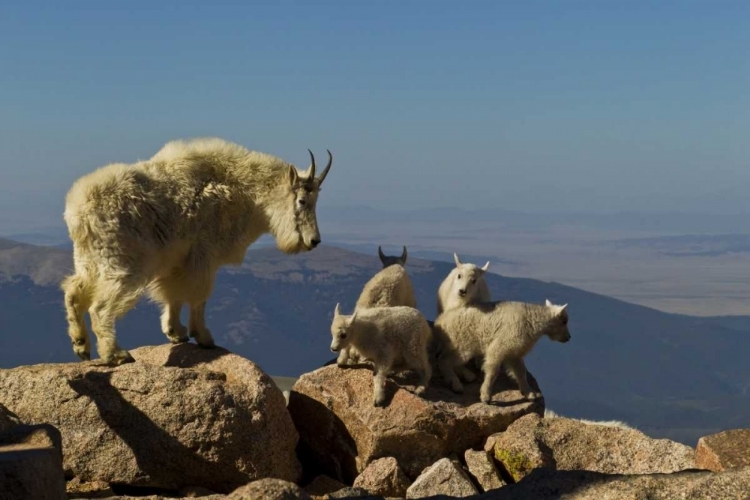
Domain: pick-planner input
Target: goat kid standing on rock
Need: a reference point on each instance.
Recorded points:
(387, 336)
(500, 332)
(166, 225)
(390, 287)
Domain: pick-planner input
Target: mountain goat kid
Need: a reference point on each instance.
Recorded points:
(464, 285)
(389, 287)
(388, 336)
(500, 332)
(165, 225)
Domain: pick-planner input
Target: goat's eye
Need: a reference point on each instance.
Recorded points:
(473, 281)
(459, 276)
(301, 201)
(342, 336)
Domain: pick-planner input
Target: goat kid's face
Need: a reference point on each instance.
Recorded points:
(558, 325)
(466, 279)
(300, 231)
(341, 329)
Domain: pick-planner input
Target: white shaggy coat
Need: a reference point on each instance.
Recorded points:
(499, 332)
(165, 225)
(388, 336)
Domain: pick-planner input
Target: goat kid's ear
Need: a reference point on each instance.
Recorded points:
(337, 311)
(562, 308)
(455, 258)
(486, 266)
(293, 176)
(353, 317)
(548, 303)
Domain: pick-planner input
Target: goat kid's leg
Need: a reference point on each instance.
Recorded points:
(422, 365)
(343, 359)
(491, 370)
(447, 363)
(379, 380)
(465, 373)
(171, 326)
(518, 369)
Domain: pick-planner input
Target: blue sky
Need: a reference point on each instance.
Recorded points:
(560, 106)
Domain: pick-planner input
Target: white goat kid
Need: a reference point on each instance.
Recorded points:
(387, 336)
(502, 333)
(389, 287)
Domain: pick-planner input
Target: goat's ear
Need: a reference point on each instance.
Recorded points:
(486, 266)
(293, 175)
(455, 258)
(353, 316)
(561, 309)
(337, 311)
(548, 303)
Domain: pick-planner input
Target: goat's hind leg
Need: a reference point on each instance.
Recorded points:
(113, 298)
(518, 369)
(77, 301)
(447, 362)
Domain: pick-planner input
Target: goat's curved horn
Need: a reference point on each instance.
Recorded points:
(403, 254)
(325, 170)
(312, 167)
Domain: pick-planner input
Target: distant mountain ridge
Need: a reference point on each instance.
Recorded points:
(673, 375)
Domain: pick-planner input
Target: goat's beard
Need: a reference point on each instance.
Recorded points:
(290, 241)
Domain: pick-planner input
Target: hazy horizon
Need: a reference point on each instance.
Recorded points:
(525, 106)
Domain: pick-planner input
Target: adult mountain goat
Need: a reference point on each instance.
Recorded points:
(164, 226)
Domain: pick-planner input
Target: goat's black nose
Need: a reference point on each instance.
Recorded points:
(315, 242)
(462, 292)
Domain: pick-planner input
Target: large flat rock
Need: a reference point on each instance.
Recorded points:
(341, 432)
(179, 416)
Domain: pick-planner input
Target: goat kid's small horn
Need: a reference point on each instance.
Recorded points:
(325, 170)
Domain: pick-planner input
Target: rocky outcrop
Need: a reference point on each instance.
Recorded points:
(322, 485)
(179, 416)
(30, 461)
(269, 489)
(566, 444)
(482, 467)
(444, 477)
(341, 432)
(548, 484)
(383, 477)
(724, 450)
